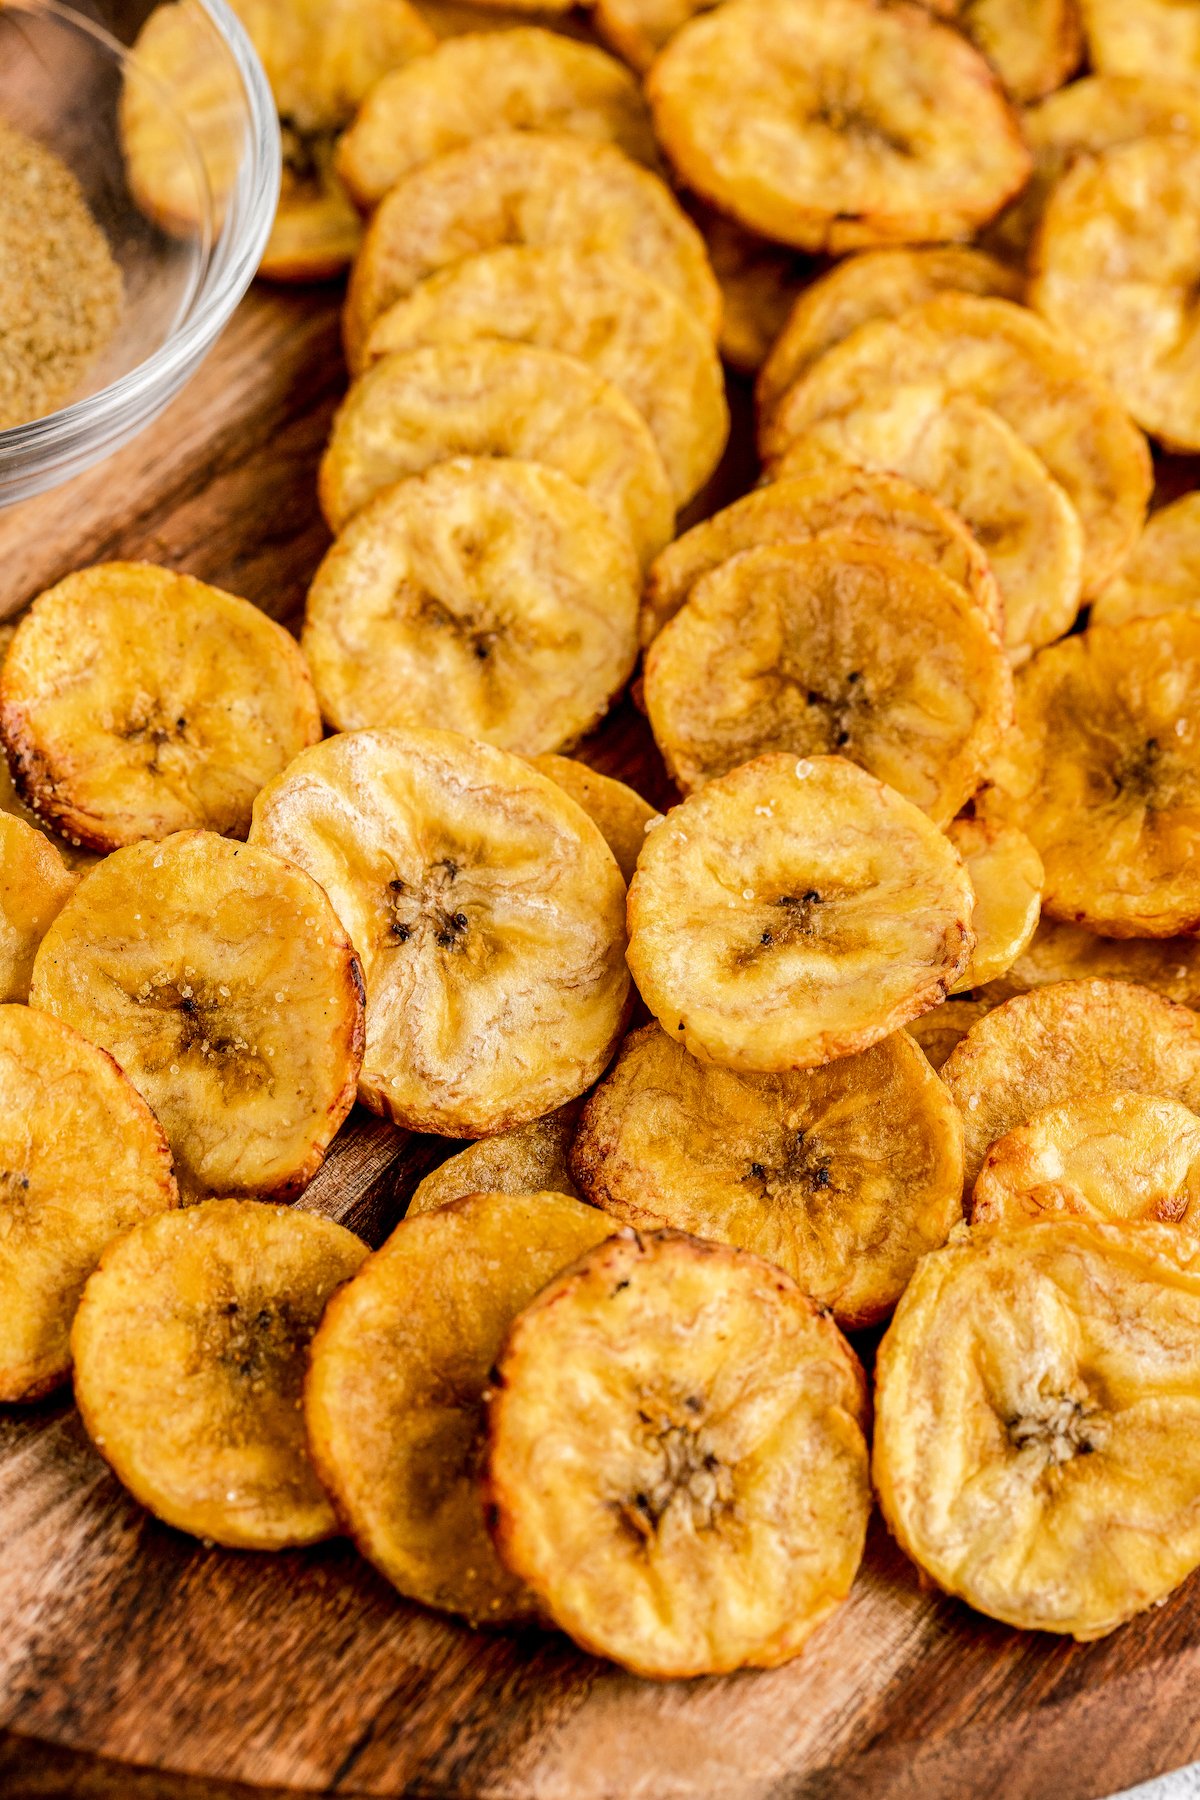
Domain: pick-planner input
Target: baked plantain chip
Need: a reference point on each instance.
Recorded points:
(1007, 876)
(600, 309)
(1063, 1042)
(542, 189)
(191, 1344)
(1106, 1156)
(1059, 952)
(135, 702)
(82, 1158)
(621, 815)
(529, 1159)
(492, 399)
(678, 1467)
(842, 1176)
(488, 913)
(1033, 45)
(794, 911)
(1163, 574)
(35, 885)
(834, 645)
(395, 1394)
(943, 1027)
(1158, 40)
(1037, 1397)
(759, 281)
(220, 980)
(486, 596)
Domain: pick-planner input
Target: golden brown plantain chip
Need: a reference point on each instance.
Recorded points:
(487, 910)
(1059, 952)
(486, 596)
(621, 815)
(135, 702)
(1158, 40)
(191, 1345)
(183, 124)
(943, 1027)
(1163, 574)
(842, 1176)
(1033, 45)
(794, 911)
(35, 885)
(833, 645)
(395, 1394)
(82, 1158)
(638, 29)
(678, 1467)
(1037, 1399)
(220, 980)
(1007, 876)
(759, 282)
(529, 1159)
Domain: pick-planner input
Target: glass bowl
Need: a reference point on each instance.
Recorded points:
(68, 75)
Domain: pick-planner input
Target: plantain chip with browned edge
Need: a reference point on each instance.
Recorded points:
(1033, 45)
(1007, 876)
(621, 815)
(1060, 952)
(942, 1028)
(1163, 573)
(35, 885)
(1158, 40)
(529, 1159)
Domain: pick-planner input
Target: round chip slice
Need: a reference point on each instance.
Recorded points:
(220, 980)
(529, 1159)
(1058, 952)
(135, 702)
(794, 911)
(834, 124)
(488, 913)
(603, 311)
(1163, 574)
(35, 885)
(942, 1028)
(621, 815)
(1007, 876)
(489, 398)
(1037, 1400)
(678, 1466)
(842, 1176)
(1156, 39)
(487, 596)
(1033, 45)
(759, 281)
(1063, 1042)
(834, 645)
(82, 1158)
(190, 1346)
(524, 187)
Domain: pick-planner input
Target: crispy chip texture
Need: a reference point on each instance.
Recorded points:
(1156, 39)
(529, 1159)
(488, 914)
(944, 1027)
(190, 1349)
(621, 815)
(678, 1467)
(135, 702)
(395, 1396)
(1007, 875)
(835, 124)
(1063, 1042)
(1059, 952)
(220, 980)
(842, 1176)
(759, 282)
(1163, 574)
(35, 884)
(1037, 1399)
(490, 398)
(487, 596)
(521, 187)
(793, 911)
(1033, 45)
(82, 1159)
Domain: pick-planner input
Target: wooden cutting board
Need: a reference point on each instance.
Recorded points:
(135, 1662)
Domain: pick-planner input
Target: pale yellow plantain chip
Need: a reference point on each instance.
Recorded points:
(842, 1176)
(486, 596)
(529, 1159)
(602, 310)
(1063, 1042)
(1102, 771)
(489, 398)
(82, 1159)
(1163, 574)
(1033, 45)
(1110, 1157)
(191, 1345)
(1059, 952)
(941, 1029)
(181, 122)
(135, 702)
(1037, 1403)
(488, 913)
(1007, 875)
(35, 885)
(678, 1466)
(1005, 358)
(1156, 39)
(638, 29)
(220, 980)
(793, 911)
(621, 815)
(759, 282)
(836, 124)
(526, 79)
(542, 189)
(395, 1397)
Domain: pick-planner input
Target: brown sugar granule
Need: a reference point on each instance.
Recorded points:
(60, 290)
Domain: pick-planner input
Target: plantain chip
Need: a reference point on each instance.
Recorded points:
(603, 311)
(1106, 1156)
(395, 1394)
(794, 911)
(221, 982)
(488, 913)
(759, 281)
(678, 1467)
(1007, 876)
(529, 1159)
(492, 399)
(35, 885)
(487, 596)
(1058, 952)
(842, 1176)
(541, 189)
(943, 1027)
(82, 1158)
(638, 29)
(1063, 1042)
(135, 702)
(1037, 1397)
(1033, 45)
(191, 1344)
(192, 92)
(1163, 574)
(1158, 40)
(621, 815)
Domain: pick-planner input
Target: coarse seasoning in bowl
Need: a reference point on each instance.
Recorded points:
(125, 244)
